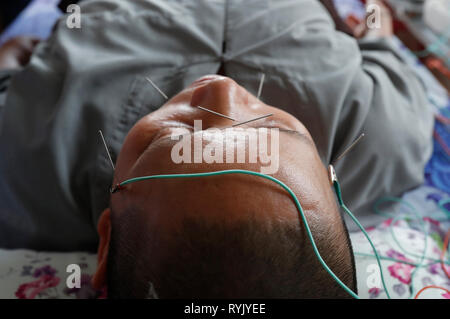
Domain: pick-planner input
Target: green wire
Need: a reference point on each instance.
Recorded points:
(432, 260)
(397, 218)
(391, 229)
(297, 204)
(395, 260)
(436, 48)
(442, 204)
(422, 257)
(341, 203)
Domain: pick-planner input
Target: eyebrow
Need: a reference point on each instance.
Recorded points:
(292, 132)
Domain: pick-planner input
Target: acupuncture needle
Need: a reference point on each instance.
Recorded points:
(252, 120)
(107, 150)
(348, 149)
(261, 82)
(157, 88)
(216, 113)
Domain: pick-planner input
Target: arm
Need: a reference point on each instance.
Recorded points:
(385, 97)
(339, 87)
(399, 121)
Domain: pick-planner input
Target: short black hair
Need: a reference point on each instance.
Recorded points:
(249, 258)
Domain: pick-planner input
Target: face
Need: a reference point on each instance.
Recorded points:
(218, 94)
(147, 214)
(147, 151)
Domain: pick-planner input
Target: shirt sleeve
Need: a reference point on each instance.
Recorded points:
(55, 174)
(398, 125)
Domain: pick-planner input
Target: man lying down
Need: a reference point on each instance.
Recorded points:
(221, 236)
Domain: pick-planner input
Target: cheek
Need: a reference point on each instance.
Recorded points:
(305, 173)
(135, 144)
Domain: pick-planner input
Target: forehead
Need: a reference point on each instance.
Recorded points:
(275, 143)
(299, 167)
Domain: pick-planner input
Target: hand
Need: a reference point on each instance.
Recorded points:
(340, 24)
(16, 52)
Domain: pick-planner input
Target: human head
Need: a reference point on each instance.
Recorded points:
(229, 236)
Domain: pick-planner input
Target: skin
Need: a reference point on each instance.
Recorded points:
(16, 52)
(147, 150)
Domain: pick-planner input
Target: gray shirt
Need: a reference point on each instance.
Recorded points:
(54, 172)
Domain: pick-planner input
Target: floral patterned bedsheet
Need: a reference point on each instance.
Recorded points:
(404, 240)
(30, 274)
(27, 274)
(400, 241)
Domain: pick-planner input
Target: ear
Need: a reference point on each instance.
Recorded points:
(104, 231)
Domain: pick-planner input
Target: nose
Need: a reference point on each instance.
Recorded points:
(217, 93)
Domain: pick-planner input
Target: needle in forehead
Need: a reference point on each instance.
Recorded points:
(107, 150)
(252, 120)
(157, 88)
(216, 113)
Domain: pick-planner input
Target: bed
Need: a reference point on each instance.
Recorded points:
(411, 239)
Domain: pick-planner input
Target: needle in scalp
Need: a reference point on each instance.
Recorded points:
(107, 150)
(157, 88)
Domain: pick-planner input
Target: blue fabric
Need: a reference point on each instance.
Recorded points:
(36, 20)
(437, 172)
